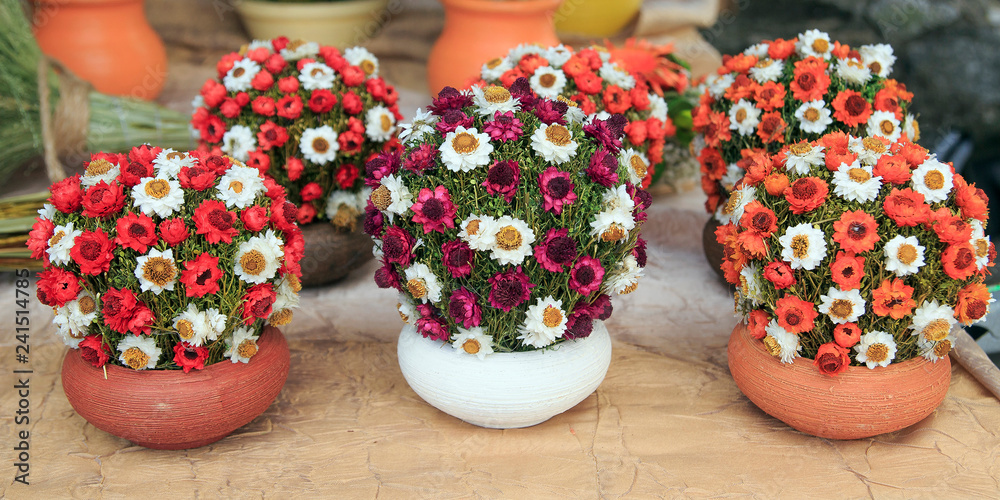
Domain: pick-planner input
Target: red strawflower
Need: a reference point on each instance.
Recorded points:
(780, 48)
(271, 135)
(759, 223)
(832, 359)
(57, 286)
(263, 105)
(770, 96)
(846, 334)
(347, 175)
(712, 165)
(352, 75)
(893, 298)
(262, 81)
(742, 88)
(851, 108)
(616, 100)
(806, 194)
(93, 350)
(103, 199)
(295, 245)
(92, 250)
(588, 82)
(556, 251)
(136, 231)
(973, 303)
(886, 100)
(283, 215)
(636, 132)
(503, 127)
(197, 177)
(254, 218)
(464, 309)
(847, 270)
(288, 85)
(215, 222)
(757, 322)
(434, 210)
(810, 81)
(502, 179)
(311, 191)
(229, 108)
(892, 169)
(174, 231)
(856, 231)
(257, 302)
(772, 128)
(914, 154)
(949, 227)
(959, 260)
(779, 274)
(294, 167)
(776, 183)
(124, 313)
(397, 246)
(351, 102)
(794, 314)
(289, 107)
(212, 129)
(307, 212)
(67, 196)
(190, 357)
(275, 64)
(322, 101)
(259, 160)
(586, 275)
(38, 239)
(971, 200)
(906, 207)
(350, 142)
(757, 164)
(509, 289)
(716, 129)
(457, 257)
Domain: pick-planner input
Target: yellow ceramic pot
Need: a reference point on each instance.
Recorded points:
(339, 24)
(595, 18)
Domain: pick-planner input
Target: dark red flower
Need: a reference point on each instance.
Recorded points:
(346, 175)
(464, 309)
(608, 132)
(57, 286)
(190, 357)
(136, 231)
(430, 324)
(289, 107)
(92, 251)
(67, 196)
(832, 359)
(283, 215)
(197, 177)
(449, 98)
(779, 274)
(580, 323)
(585, 276)
(556, 251)
(124, 313)
(557, 188)
(374, 221)
(386, 276)
(257, 302)
(94, 351)
(103, 199)
(434, 210)
(603, 168)
(509, 289)
(421, 158)
(457, 257)
(350, 142)
(502, 179)
(215, 222)
(452, 119)
(322, 101)
(397, 246)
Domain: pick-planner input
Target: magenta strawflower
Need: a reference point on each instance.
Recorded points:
(586, 275)
(434, 210)
(386, 276)
(608, 132)
(551, 111)
(503, 178)
(453, 119)
(557, 190)
(430, 324)
(504, 127)
(556, 251)
(510, 288)
(603, 168)
(397, 246)
(457, 257)
(464, 309)
(421, 158)
(580, 323)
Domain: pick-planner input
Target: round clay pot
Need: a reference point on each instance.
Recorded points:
(173, 410)
(858, 403)
(476, 31)
(595, 18)
(714, 251)
(339, 24)
(108, 43)
(504, 390)
(330, 253)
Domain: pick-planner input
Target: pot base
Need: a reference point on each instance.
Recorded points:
(331, 254)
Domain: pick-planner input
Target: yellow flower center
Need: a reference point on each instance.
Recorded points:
(402, 316)
(811, 115)
(367, 66)
(159, 271)
(801, 148)
(135, 358)
(763, 63)
(236, 187)
(934, 179)
(175, 155)
(569, 102)
(98, 167)
(614, 232)
(492, 63)
(547, 80)
(247, 348)
(772, 346)
(638, 166)
(317, 72)
(471, 346)
(295, 44)
(86, 304)
(76, 334)
(906, 254)
(293, 282)
(386, 123)
(552, 316)
(936, 330)
(982, 247)
(558, 135)
(629, 289)
(877, 353)
(741, 114)
(472, 228)
(185, 329)
(509, 238)
(253, 262)
(841, 308)
(941, 349)
(887, 127)
(464, 143)
(496, 95)
(381, 198)
(800, 246)
(874, 145)
(157, 188)
(281, 318)
(734, 200)
(417, 288)
(56, 237)
(858, 175)
(820, 45)
(320, 145)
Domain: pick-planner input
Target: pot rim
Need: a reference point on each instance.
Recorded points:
(494, 7)
(297, 10)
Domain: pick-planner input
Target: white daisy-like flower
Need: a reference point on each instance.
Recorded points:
(400, 197)
(744, 117)
(554, 143)
(802, 157)
(139, 352)
(853, 71)
(286, 294)
(156, 271)
(803, 246)
(617, 198)
(781, 344)
(911, 128)
(548, 82)
(733, 175)
(841, 306)
(492, 99)
(362, 58)
(876, 348)
(465, 149)
(635, 163)
(515, 54)
(258, 258)
(512, 241)
(197, 327)
(855, 182)
(904, 255)
(238, 77)
(767, 70)
(238, 142)
(612, 225)
(339, 199)
(758, 50)
(814, 43)
(600, 115)
(658, 108)
(69, 337)
(493, 69)
(624, 278)
(718, 84)
(407, 309)
(241, 346)
(732, 210)
(75, 317)
(574, 115)
(97, 171)
(479, 231)
(544, 322)
(260, 44)
(868, 149)
(750, 285)
(62, 241)
(473, 341)
(934, 351)
(980, 243)
(422, 124)
(240, 186)
(933, 179)
(47, 212)
(884, 124)
(813, 116)
(319, 145)
(299, 49)
(158, 195)
(878, 58)
(379, 123)
(422, 283)
(933, 321)
(614, 75)
(169, 163)
(317, 75)
(557, 55)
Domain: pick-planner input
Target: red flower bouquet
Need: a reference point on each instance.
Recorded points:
(507, 221)
(650, 97)
(167, 260)
(780, 92)
(307, 116)
(870, 255)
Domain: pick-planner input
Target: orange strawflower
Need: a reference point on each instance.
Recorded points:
(810, 80)
(893, 298)
(772, 128)
(851, 108)
(973, 303)
(770, 96)
(856, 231)
(794, 314)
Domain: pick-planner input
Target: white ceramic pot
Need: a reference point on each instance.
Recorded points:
(340, 24)
(504, 390)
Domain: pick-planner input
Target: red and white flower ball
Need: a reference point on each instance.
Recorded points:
(166, 260)
(857, 251)
(304, 114)
(508, 220)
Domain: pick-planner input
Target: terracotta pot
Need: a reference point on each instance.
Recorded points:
(331, 254)
(714, 251)
(173, 410)
(339, 24)
(858, 403)
(108, 43)
(504, 390)
(595, 18)
(476, 31)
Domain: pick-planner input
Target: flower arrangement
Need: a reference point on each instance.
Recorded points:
(866, 257)
(596, 82)
(304, 114)
(508, 219)
(167, 260)
(780, 92)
